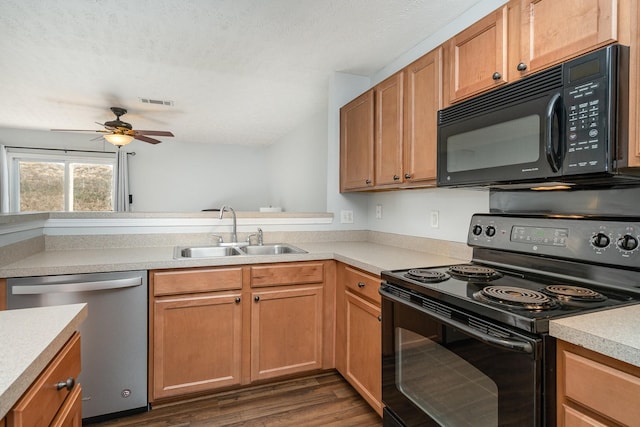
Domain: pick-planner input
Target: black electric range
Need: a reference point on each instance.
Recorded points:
(527, 270)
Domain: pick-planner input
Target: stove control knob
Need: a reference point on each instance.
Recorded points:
(600, 240)
(627, 242)
(491, 231)
(477, 230)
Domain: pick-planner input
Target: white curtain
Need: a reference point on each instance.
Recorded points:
(4, 180)
(122, 182)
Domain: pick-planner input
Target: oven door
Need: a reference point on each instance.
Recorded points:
(440, 371)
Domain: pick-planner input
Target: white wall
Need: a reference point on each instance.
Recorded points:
(297, 175)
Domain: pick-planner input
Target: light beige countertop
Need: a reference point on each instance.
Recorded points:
(29, 339)
(371, 257)
(612, 332)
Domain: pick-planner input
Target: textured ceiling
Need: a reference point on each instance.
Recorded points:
(238, 71)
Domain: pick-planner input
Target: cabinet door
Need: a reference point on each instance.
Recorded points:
(197, 343)
(363, 349)
(70, 415)
(554, 31)
(389, 118)
(423, 99)
(356, 143)
(286, 332)
(478, 56)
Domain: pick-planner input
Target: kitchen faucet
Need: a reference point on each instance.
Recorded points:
(258, 235)
(234, 235)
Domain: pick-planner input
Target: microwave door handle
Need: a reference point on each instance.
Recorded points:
(552, 110)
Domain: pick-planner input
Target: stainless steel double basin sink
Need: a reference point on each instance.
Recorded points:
(225, 250)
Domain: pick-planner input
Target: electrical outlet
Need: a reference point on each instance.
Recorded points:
(435, 219)
(346, 217)
(378, 211)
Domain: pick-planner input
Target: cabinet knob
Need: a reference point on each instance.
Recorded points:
(496, 76)
(368, 181)
(238, 300)
(521, 66)
(407, 176)
(379, 318)
(68, 384)
(396, 177)
(256, 298)
(360, 285)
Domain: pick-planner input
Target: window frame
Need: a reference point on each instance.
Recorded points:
(66, 157)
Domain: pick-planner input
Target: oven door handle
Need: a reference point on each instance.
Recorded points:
(509, 344)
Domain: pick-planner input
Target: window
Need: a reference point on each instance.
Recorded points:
(53, 180)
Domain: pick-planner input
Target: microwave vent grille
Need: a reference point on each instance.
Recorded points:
(538, 84)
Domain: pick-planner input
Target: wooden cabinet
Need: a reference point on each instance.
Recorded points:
(553, 31)
(286, 319)
(422, 100)
(358, 334)
(357, 143)
(54, 398)
(389, 107)
(213, 328)
(196, 333)
(595, 390)
(478, 56)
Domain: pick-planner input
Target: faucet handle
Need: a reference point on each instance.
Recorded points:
(219, 237)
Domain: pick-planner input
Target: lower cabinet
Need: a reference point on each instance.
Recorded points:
(54, 399)
(215, 328)
(595, 390)
(358, 335)
(286, 331)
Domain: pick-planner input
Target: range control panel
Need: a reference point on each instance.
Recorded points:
(613, 241)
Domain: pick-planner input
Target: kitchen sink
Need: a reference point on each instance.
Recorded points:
(272, 249)
(206, 251)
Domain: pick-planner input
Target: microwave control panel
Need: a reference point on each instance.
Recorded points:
(587, 136)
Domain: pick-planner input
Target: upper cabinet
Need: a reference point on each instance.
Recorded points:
(388, 131)
(356, 143)
(478, 56)
(553, 31)
(422, 100)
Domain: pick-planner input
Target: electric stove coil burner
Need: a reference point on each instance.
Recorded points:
(426, 276)
(569, 293)
(474, 272)
(515, 297)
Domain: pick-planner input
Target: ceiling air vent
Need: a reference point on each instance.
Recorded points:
(156, 101)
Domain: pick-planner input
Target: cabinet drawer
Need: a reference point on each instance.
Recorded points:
(288, 274)
(41, 402)
(189, 281)
(363, 284)
(574, 418)
(602, 388)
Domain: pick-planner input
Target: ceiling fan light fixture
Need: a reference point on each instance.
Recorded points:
(118, 139)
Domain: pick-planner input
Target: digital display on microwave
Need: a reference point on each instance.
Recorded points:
(586, 69)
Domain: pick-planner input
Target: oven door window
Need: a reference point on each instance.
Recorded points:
(452, 391)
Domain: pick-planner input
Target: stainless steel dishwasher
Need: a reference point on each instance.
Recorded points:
(113, 337)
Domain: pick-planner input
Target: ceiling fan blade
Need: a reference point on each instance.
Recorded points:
(153, 132)
(146, 139)
(78, 130)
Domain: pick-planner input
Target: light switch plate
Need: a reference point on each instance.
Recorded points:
(435, 219)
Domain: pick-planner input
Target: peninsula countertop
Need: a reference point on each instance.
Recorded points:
(29, 340)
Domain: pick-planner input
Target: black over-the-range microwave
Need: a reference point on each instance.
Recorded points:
(567, 124)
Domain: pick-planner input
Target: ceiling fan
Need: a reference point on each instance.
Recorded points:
(121, 133)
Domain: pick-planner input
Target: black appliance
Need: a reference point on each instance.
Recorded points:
(564, 125)
(468, 344)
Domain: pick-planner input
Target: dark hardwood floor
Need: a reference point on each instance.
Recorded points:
(325, 399)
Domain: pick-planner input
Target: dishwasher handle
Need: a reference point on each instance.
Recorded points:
(98, 285)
